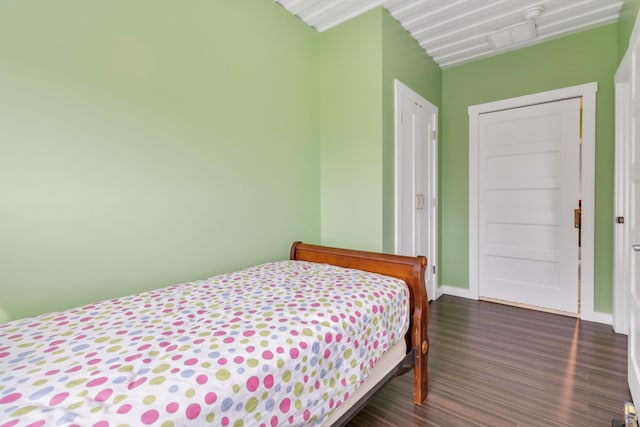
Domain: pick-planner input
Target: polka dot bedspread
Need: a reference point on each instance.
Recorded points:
(282, 343)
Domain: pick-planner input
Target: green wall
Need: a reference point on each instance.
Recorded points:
(141, 150)
(581, 58)
(626, 22)
(359, 61)
(151, 142)
(351, 133)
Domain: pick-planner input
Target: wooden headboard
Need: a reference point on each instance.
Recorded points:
(409, 269)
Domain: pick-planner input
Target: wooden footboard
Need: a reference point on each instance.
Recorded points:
(409, 269)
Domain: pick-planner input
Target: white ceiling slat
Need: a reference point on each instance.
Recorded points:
(327, 6)
(407, 7)
(424, 13)
(591, 13)
(482, 25)
(358, 8)
(464, 52)
(581, 27)
(572, 7)
(391, 4)
(457, 44)
(453, 32)
(298, 7)
(470, 13)
(545, 37)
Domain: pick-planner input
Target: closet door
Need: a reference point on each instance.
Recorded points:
(416, 180)
(529, 189)
(634, 228)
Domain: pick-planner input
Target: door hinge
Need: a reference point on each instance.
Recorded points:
(577, 218)
(434, 135)
(619, 220)
(433, 268)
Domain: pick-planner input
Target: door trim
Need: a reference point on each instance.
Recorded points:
(588, 94)
(401, 90)
(621, 248)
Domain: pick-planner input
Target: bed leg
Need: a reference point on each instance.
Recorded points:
(421, 344)
(421, 375)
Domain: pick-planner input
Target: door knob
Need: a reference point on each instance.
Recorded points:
(636, 248)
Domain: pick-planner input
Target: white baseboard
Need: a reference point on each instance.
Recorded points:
(456, 292)
(593, 316)
(597, 317)
(438, 294)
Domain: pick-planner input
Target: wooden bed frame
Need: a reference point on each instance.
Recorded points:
(409, 269)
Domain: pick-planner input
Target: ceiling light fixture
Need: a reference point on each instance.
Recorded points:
(517, 33)
(533, 12)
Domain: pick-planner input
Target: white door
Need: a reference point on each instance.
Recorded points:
(529, 186)
(416, 180)
(623, 160)
(634, 230)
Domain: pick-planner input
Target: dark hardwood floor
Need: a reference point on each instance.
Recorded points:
(494, 365)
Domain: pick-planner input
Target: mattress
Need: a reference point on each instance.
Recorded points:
(282, 343)
(387, 363)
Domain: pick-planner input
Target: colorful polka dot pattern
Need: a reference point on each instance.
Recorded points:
(278, 344)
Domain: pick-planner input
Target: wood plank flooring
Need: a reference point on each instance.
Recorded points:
(495, 365)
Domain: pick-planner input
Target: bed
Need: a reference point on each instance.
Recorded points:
(301, 342)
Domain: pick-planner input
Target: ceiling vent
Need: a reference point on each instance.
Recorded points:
(517, 33)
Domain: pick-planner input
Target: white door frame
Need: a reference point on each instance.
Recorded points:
(621, 247)
(403, 91)
(588, 94)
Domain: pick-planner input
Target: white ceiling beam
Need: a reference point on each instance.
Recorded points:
(391, 4)
(570, 8)
(545, 37)
(464, 52)
(485, 26)
(562, 22)
(328, 7)
(609, 19)
(457, 42)
(455, 31)
(424, 16)
(297, 7)
(419, 15)
(357, 9)
(469, 13)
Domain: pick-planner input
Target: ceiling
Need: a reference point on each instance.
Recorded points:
(453, 32)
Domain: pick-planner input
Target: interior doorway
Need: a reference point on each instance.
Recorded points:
(587, 195)
(529, 205)
(416, 180)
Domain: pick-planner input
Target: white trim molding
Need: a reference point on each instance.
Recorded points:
(621, 247)
(409, 180)
(588, 94)
(439, 292)
(457, 292)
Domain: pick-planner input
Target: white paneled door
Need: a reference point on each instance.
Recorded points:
(634, 228)
(529, 187)
(416, 166)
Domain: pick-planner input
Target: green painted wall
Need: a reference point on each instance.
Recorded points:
(351, 133)
(581, 58)
(359, 61)
(151, 142)
(626, 22)
(405, 60)
(138, 152)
